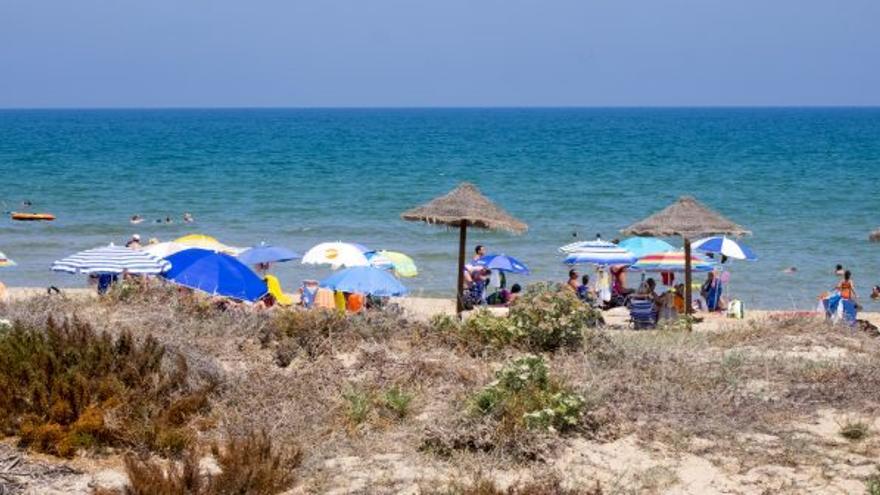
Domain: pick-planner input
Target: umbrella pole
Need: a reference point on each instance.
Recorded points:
(688, 307)
(462, 239)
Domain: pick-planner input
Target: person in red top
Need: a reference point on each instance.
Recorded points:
(846, 288)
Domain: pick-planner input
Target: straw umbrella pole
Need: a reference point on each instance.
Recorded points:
(463, 207)
(687, 218)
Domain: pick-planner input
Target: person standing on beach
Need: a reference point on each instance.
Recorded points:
(846, 288)
(573, 284)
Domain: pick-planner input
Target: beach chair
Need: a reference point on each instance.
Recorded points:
(641, 314)
(308, 291)
(278, 294)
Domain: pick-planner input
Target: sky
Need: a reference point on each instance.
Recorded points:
(412, 53)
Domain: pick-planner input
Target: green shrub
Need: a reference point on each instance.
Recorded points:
(872, 484)
(397, 401)
(358, 405)
(60, 382)
(854, 430)
(524, 396)
(544, 319)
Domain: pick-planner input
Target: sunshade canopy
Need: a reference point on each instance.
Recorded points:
(466, 204)
(215, 273)
(336, 254)
(502, 262)
(112, 259)
(686, 217)
(365, 280)
(726, 247)
(265, 253)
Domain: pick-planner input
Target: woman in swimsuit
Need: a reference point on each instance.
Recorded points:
(846, 288)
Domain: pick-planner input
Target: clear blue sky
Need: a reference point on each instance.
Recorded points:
(205, 53)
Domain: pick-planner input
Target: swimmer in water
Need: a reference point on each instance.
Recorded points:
(168, 220)
(188, 218)
(875, 292)
(791, 269)
(136, 219)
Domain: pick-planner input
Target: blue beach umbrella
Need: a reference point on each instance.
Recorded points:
(265, 253)
(365, 280)
(643, 246)
(726, 247)
(215, 273)
(502, 262)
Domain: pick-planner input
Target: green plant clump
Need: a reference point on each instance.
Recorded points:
(524, 396)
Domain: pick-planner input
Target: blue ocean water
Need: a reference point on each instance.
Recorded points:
(803, 180)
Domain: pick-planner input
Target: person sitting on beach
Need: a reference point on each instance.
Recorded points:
(647, 290)
(134, 242)
(846, 288)
(572, 284)
(678, 301)
(513, 295)
(585, 292)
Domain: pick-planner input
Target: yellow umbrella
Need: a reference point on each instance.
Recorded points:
(206, 242)
(403, 265)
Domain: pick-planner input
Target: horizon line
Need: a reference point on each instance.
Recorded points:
(446, 107)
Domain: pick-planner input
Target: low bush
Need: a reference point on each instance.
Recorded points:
(397, 401)
(64, 387)
(523, 396)
(854, 430)
(546, 485)
(250, 464)
(544, 319)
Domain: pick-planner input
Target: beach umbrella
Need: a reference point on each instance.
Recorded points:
(336, 254)
(641, 246)
(4, 261)
(112, 259)
(365, 280)
(502, 262)
(164, 249)
(215, 273)
(687, 218)
(265, 253)
(671, 261)
(203, 241)
(726, 247)
(463, 207)
(401, 264)
(598, 252)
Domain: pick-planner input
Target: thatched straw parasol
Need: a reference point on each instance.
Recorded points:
(874, 236)
(462, 207)
(687, 218)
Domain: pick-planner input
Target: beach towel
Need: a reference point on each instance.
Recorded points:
(713, 295)
(324, 299)
(355, 302)
(603, 286)
(339, 301)
(275, 289)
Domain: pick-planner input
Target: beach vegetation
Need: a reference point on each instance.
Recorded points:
(544, 319)
(249, 464)
(524, 396)
(854, 430)
(397, 401)
(65, 387)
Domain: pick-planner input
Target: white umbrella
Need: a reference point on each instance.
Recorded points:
(112, 259)
(336, 254)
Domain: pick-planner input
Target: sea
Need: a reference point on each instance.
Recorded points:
(803, 180)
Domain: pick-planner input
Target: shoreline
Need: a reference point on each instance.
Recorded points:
(424, 308)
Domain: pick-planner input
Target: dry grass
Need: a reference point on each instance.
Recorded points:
(381, 385)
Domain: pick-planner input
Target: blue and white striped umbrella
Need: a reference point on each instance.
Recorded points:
(597, 252)
(725, 247)
(112, 259)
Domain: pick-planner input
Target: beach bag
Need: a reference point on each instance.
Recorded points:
(735, 310)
